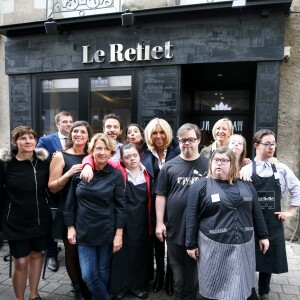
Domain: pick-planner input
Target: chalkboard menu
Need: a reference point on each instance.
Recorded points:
(20, 100)
(158, 94)
(267, 94)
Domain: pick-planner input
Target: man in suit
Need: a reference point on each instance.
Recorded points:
(52, 143)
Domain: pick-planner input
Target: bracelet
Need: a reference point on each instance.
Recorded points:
(58, 183)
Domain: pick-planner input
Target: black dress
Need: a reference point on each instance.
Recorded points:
(59, 230)
(132, 266)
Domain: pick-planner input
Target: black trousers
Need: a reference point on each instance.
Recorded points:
(264, 280)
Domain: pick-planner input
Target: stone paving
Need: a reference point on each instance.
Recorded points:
(56, 286)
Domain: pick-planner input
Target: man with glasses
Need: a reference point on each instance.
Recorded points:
(174, 181)
(271, 179)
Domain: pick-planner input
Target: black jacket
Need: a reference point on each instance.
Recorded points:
(23, 196)
(97, 208)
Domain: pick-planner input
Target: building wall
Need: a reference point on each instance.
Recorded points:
(4, 99)
(289, 105)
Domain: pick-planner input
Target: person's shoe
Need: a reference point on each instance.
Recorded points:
(264, 297)
(118, 296)
(140, 294)
(158, 282)
(169, 283)
(36, 298)
(52, 264)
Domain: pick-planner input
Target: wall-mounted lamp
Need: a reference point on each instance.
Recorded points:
(54, 28)
(128, 19)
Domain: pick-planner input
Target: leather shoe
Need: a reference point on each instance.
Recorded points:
(169, 283)
(36, 298)
(52, 264)
(118, 296)
(140, 294)
(159, 281)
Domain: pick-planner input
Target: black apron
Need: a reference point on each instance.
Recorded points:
(269, 195)
(132, 266)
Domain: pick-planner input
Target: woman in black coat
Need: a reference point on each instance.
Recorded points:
(26, 217)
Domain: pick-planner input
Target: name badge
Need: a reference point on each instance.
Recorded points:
(215, 197)
(276, 175)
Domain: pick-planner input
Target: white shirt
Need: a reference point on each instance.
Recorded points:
(288, 180)
(62, 139)
(139, 179)
(163, 160)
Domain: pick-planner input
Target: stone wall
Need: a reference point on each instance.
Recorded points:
(4, 99)
(289, 107)
(20, 11)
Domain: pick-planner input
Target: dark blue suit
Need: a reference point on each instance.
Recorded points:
(50, 142)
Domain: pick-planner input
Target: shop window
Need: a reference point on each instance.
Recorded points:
(230, 101)
(58, 95)
(110, 94)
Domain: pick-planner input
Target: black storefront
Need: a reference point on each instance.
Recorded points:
(195, 63)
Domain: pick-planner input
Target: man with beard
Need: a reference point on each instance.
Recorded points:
(174, 181)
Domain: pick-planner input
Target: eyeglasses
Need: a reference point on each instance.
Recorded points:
(189, 141)
(134, 155)
(223, 161)
(269, 145)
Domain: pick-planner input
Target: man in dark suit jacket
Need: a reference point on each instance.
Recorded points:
(52, 143)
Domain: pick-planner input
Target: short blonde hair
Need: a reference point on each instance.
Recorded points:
(150, 128)
(234, 171)
(229, 125)
(107, 140)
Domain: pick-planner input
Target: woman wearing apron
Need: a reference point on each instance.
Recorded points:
(270, 181)
(222, 216)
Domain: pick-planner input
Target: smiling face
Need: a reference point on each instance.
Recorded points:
(134, 135)
(112, 128)
(222, 133)
(159, 137)
(80, 135)
(26, 143)
(101, 154)
(64, 125)
(131, 158)
(220, 166)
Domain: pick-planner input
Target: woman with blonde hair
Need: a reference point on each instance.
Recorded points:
(162, 147)
(221, 132)
(95, 216)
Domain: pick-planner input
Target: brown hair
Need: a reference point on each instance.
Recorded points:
(107, 140)
(189, 126)
(20, 131)
(69, 142)
(61, 114)
(112, 116)
(258, 136)
(234, 172)
(241, 161)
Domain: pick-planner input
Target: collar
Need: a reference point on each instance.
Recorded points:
(61, 136)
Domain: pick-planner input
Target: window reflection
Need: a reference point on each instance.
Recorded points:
(110, 94)
(58, 95)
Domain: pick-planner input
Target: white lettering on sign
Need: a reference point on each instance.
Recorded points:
(142, 52)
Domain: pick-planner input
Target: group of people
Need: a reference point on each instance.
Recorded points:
(217, 211)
